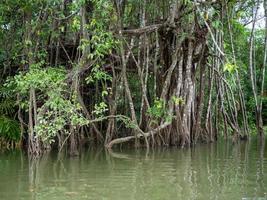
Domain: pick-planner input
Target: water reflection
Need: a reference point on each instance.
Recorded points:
(213, 171)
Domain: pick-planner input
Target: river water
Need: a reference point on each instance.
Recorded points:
(208, 171)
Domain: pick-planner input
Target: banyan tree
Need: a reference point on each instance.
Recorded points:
(139, 72)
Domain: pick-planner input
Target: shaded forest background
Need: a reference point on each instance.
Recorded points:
(142, 72)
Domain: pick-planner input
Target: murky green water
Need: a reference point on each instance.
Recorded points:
(217, 171)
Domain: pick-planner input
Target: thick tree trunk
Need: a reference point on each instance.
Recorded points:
(188, 88)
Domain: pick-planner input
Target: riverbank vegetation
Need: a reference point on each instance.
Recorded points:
(141, 72)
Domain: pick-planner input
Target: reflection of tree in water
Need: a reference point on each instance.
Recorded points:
(33, 176)
(215, 171)
(220, 171)
(260, 167)
(36, 166)
(12, 181)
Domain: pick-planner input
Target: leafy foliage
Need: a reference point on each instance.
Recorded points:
(60, 108)
(230, 67)
(9, 129)
(158, 109)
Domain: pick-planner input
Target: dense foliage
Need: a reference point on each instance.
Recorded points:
(148, 72)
